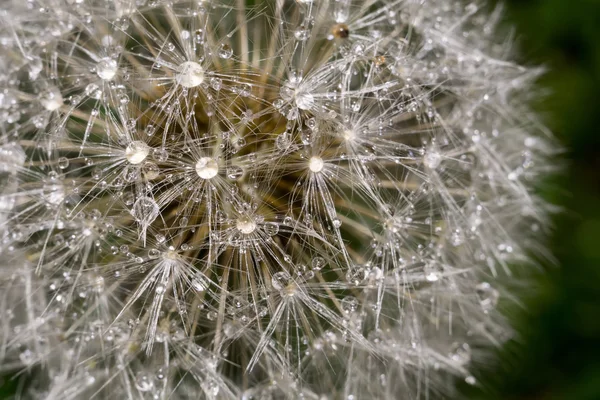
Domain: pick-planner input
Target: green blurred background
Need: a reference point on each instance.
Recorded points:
(558, 354)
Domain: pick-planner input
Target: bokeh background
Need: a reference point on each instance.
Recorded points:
(557, 356)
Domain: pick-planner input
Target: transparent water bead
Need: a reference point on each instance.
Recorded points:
(460, 353)
(144, 382)
(189, 74)
(245, 224)
(107, 68)
(281, 280)
(349, 304)
(51, 99)
(315, 164)
(136, 152)
(207, 168)
(199, 283)
(235, 172)
(145, 210)
(432, 159)
(225, 51)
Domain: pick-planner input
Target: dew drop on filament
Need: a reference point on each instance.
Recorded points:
(136, 152)
(189, 74)
(207, 168)
(107, 68)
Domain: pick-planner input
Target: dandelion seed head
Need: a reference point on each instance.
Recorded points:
(269, 199)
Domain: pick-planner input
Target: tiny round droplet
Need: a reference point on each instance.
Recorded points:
(51, 99)
(432, 159)
(107, 68)
(235, 172)
(271, 228)
(315, 164)
(245, 224)
(190, 74)
(145, 210)
(349, 304)
(302, 34)
(207, 168)
(281, 280)
(144, 383)
(63, 162)
(318, 263)
(136, 152)
(460, 353)
(199, 283)
(225, 51)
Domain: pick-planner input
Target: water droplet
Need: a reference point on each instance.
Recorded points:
(281, 280)
(189, 74)
(318, 263)
(432, 159)
(160, 289)
(150, 130)
(271, 228)
(216, 83)
(145, 210)
(356, 275)
(153, 253)
(336, 223)
(235, 172)
(460, 353)
(160, 154)
(144, 383)
(63, 162)
(136, 152)
(107, 68)
(54, 193)
(349, 304)
(123, 99)
(245, 225)
(225, 51)
(207, 168)
(199, 283)
(315, 164)
(51, 99)
(92, 90)
(283, 141)
(302, 33)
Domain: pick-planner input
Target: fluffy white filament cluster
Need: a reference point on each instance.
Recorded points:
(266, 199)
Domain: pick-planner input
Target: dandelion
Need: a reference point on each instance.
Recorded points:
(263, 199)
